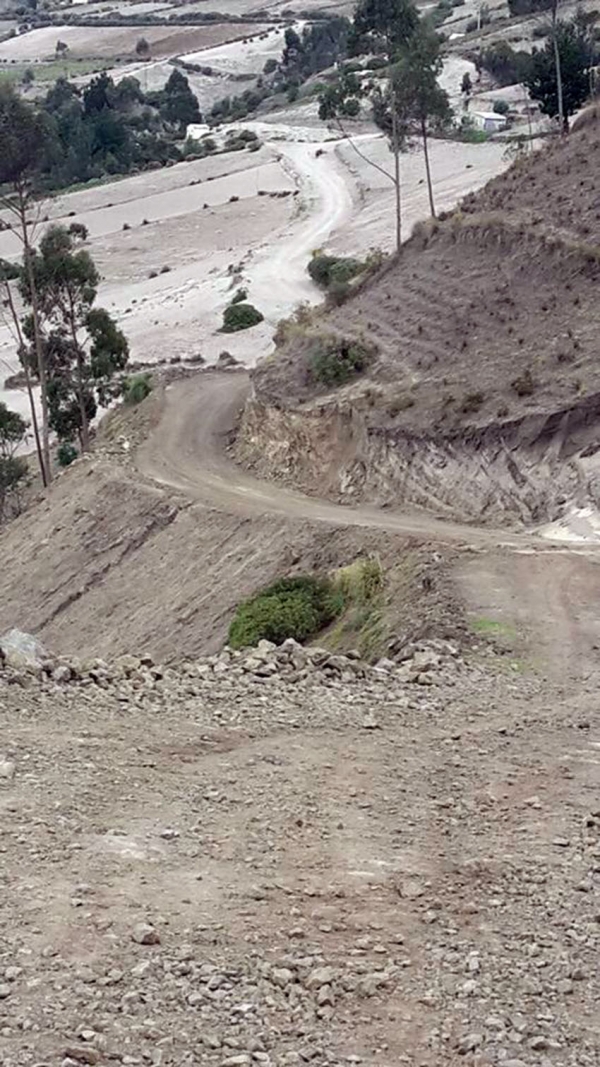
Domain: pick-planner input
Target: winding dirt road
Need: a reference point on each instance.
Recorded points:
(547, 591)
(188, 452)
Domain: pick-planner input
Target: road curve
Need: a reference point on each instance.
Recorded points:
(188, 452)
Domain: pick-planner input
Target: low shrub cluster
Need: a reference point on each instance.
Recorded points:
(240, 316)
(337, 361)
(328, 271)
(136, 388)
(292, 607)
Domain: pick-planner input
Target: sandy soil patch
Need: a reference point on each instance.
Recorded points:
(107, 41)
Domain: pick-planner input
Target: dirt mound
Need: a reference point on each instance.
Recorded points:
(481, 360)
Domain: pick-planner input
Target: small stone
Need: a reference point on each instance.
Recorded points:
(539, 1043)
(12, 973)
(469, 1042)
(319, 977)
(5, 991)
(145, 934)
(241, 1060)
(7, 770)
(370, 722)
(62, 674)
(83, 1054)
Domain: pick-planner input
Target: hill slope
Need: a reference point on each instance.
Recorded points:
(481, 344)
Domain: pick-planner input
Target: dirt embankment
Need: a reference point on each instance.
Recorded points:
(481, 391)
(106, 562)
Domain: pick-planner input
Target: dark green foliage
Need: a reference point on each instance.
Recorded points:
(136, 388)
(337, 361)
(505, 65)
(77, 136)
(384, 25)
(239, 297)
(577, 56)
(177, 104)
(13, 469)
(84, 350)
(528, 7)
(8, 271)
(501, 107)
(326, 270)
(319, 46)
(240, 317)
(292, 607)
(66, 454)
(26, 139)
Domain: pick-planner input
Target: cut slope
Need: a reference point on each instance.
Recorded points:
(484, 393)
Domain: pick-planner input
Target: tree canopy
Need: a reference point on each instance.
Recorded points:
(576, 50)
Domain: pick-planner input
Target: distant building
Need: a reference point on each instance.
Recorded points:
(489, 121)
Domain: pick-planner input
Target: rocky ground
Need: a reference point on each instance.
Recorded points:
(286, 857)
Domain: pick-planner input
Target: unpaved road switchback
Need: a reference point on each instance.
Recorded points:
(546, 590)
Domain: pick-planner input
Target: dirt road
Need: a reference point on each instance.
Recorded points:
(187, 452)
(542, 591)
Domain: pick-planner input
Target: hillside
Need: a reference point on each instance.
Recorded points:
(480, 357)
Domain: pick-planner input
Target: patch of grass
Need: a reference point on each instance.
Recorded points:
(52, 70)
(362, 623)
(292, 607)
(493, 628)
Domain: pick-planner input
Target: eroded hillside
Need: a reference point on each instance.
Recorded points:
(480, 358)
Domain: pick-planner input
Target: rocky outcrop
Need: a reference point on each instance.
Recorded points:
(525, 470)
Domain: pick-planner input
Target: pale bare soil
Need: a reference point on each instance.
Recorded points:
(108, 41)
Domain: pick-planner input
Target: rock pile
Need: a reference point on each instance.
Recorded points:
(424, 663)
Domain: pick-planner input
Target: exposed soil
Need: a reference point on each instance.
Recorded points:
(480, 394)
(107, 41)
(228, 866)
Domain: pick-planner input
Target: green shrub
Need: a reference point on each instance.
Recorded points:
(501, 107)
(240, 317)
(292, 607)
(239, 297)
(325, 270)
(338, 361)
(136, 388)
(66, 453)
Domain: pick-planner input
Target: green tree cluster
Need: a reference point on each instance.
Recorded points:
(13, 469)
(111, 128)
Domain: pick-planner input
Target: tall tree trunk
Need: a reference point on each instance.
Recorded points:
(37, 336)
(397, 192)
(79, 388)
(34, 418)
(427, 167)
(85, 426)
(562, 118)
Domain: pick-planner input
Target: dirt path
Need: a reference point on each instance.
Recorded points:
(545, 593)
(187, 452)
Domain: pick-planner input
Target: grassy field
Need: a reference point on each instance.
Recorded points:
(49, 72)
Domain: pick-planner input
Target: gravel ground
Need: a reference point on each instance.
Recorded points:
(287, 860)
